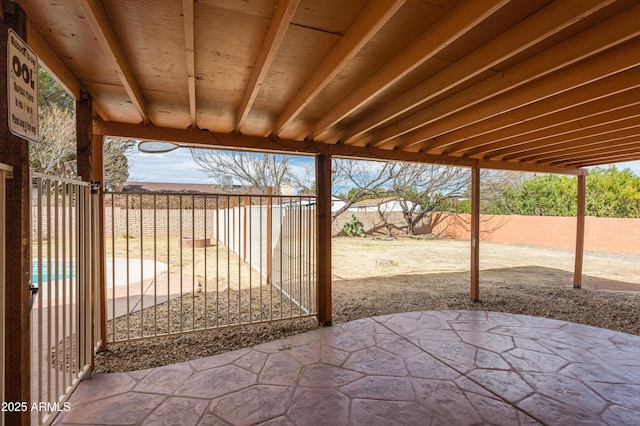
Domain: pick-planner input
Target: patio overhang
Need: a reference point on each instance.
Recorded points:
(542, 86)
(534, 85)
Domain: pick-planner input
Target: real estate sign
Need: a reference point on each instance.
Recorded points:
(22, 90)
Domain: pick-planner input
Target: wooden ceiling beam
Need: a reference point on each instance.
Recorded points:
(511, 83)
(578, 145)
(537, 168)
(282, 16)
(624, 85)
(448, 29)
(622, 145)
(537, 27)
(606, 123)
(190, 49)
(609, 159)
(610, 108)
(99, 22)
(52, 62)
(374, 17)
(202, 138)
(555, 86)
(629, 154)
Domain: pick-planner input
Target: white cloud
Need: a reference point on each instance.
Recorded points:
(176, 166)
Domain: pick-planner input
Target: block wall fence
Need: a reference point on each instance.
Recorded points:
(601, 234)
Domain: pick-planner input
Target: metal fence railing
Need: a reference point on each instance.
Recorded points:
(63, 309)
(178, 263)
(5, 172)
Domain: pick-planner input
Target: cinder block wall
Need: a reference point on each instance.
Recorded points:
(601, 234)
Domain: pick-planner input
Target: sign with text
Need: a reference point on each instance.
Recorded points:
(22, 90)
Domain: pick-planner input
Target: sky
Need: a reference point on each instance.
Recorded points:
(178, 167)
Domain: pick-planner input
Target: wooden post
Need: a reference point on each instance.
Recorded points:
(84, 156)
(582, 192)
(323, 239)
(100, 254)
(475, 234)
(14, 151)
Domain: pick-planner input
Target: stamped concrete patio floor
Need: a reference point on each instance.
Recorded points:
(432, 367)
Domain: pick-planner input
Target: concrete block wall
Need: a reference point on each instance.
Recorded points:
(615, 235)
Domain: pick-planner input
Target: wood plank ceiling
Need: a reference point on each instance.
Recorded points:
(520, 84)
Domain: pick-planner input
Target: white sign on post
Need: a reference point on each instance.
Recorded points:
(22, 90)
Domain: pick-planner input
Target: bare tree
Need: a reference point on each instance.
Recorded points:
(55, 153)
(258, 170)
(363, 177)
(422, 188)
(57, 145)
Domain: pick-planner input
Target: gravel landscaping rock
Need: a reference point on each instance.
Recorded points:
(362, 298)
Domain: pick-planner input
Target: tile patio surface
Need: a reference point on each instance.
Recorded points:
(431, 367)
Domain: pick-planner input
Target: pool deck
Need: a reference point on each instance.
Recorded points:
(431, 367)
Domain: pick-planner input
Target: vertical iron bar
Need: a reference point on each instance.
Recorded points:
(127, 266)
(141, 269)
(204, 286)
(38, 311)
(155, 265)
(168, 302)
(193, 262)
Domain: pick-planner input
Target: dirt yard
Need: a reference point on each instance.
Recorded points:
(514, 264)
(376, 276)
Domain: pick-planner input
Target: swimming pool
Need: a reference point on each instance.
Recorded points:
(116, 271)
(63, 270)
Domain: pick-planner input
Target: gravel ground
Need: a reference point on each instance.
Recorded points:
(368, 297)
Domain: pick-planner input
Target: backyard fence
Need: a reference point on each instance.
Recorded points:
(178, 263)
(5, 172)
(64, 294)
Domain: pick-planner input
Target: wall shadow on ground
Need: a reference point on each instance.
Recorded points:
(527, 290)
(520, 275)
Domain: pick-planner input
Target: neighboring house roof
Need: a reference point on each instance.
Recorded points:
(375, 202)
(189, 188)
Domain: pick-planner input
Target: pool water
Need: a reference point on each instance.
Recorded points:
(67, 270)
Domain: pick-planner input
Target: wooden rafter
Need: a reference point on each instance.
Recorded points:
(603, 66)
(550, 82)
(52, 62)
(97, 18)
(572, 131)
(275, 34)
(614, 157)
(603, 158)
(566, 150)
(190, 48)
(577, 103)
(543, 65)
(366, 26)
(455, 24)
(490, 143)
(537, 27)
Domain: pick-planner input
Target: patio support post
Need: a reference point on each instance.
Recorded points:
(475, 234)
(323, 239)
(582, 192)
(14, 151)
(98, 253)
(90, 166)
